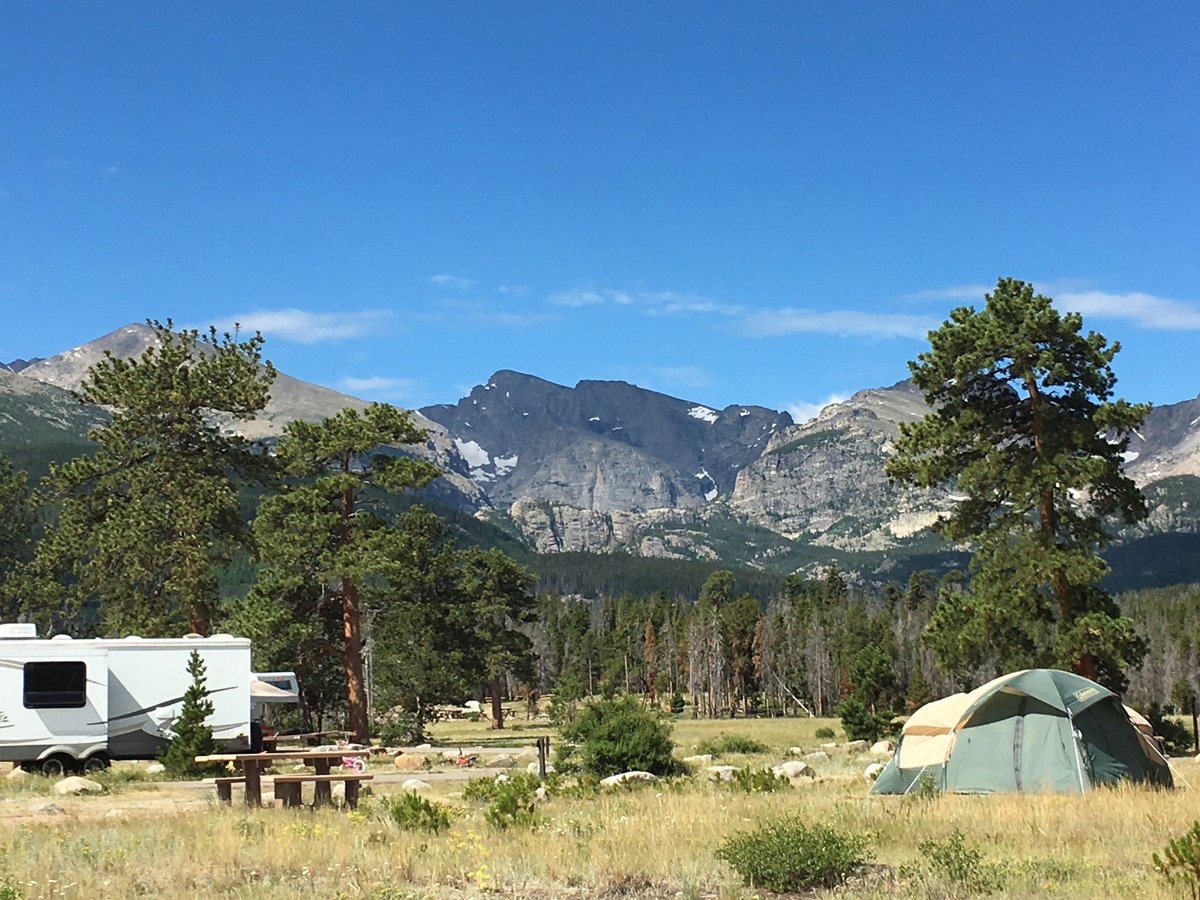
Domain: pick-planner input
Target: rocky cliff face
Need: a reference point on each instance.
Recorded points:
(602, 445)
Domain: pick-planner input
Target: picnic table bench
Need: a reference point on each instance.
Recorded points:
(252, 765)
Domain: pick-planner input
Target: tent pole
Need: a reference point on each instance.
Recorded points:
(1075, 744)
(915, 780)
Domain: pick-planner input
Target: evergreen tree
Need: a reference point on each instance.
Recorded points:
(191, 735)
(16, 520)
(144, 521)
(1023, 423)
(325, 530)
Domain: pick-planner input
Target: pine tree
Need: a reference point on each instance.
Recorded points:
(191, 735)
(144, 521)
(1023, 423)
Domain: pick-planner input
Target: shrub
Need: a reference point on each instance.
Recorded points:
(956, 864)
(731, 743)
(758, 781)
(1176, 737)
(860, 722)
(513, 803)
(617, 735)
(412, 812)
(789, 855)
(825, 733)
(677, 703)
(1180, 861)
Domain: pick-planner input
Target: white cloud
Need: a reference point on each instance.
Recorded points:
(1144, 310)
(844, 323)
(376, 387)
(456, 282)
(684, 376)
(803, 410)
(955, 292)
(300, 326)
(652, 303)
(513, 290)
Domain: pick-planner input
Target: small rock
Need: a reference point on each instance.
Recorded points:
(872, 771)
(532, 768)
(634, 777)
(337, 791)
(502, 761)
(793, 769)
(450, 756)
(502, 778)
(855, 746)
(423, 747)
(415, 784)
(703, 759)
(883, 748)
(817, 755)
(77, 785)
(51, 809)
(18, 773)
(795, 751)
(721, 773)
(155, 768)
(540, 795)
(409, 762)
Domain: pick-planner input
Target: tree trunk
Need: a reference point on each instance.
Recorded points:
(356, 695)
(497, 706)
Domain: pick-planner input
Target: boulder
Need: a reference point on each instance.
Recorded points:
(634, 777)
(855, 746)
(75, 785)
(409, 762)
(721, 773)
(449, 756)
(18, 773)
(795, 751)
(883, 748)
(414, 784)
(793, 769)
(501, 761)
(540, 795)
(873, 771)
(155, 768)
(702, 759)
(423, 747)
(532, 768)
(816, 755)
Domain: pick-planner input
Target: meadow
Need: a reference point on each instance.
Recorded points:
(144, 838)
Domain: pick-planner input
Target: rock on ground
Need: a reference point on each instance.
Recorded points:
(817, 755)
(721, 773)
(52, 809)
(793, 769)
(77, 785)
(795, 751)
(155, 768)
(532, 768)
(18, 773)
(501, 761)
(633, 777)
(409, 762)
(702, 759)
(414, 784)
(855, 746)
(883, 748)
(873, 771)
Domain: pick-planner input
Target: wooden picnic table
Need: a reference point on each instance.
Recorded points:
(252, 765)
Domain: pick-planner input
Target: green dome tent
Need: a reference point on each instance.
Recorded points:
(1038, 730)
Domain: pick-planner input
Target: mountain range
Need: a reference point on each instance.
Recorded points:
(606, 466)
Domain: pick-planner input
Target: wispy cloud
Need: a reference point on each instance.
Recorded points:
(802, 410)
(683, 376)
(653, 303)
(844, 323)
(1144, 310)
(513, 290)
(955, 292)
(454, 282)
(377, 387)
(300, 326)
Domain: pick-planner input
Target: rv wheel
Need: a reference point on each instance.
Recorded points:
(97, 762)
(56, 766)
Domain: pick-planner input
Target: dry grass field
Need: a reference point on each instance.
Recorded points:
(147, 839)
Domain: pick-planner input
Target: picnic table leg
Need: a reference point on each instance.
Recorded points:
(253, 782)
(225, 793)
(352, 793)
(322, 795)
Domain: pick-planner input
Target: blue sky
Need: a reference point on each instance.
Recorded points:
(733, 203)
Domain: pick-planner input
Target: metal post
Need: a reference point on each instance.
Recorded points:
(543, 747)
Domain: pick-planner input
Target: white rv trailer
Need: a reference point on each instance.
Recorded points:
(70, 705)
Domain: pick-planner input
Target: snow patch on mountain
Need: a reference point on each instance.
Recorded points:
(475, 455)
(704, 414)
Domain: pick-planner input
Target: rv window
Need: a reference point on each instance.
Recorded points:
(55, 685)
